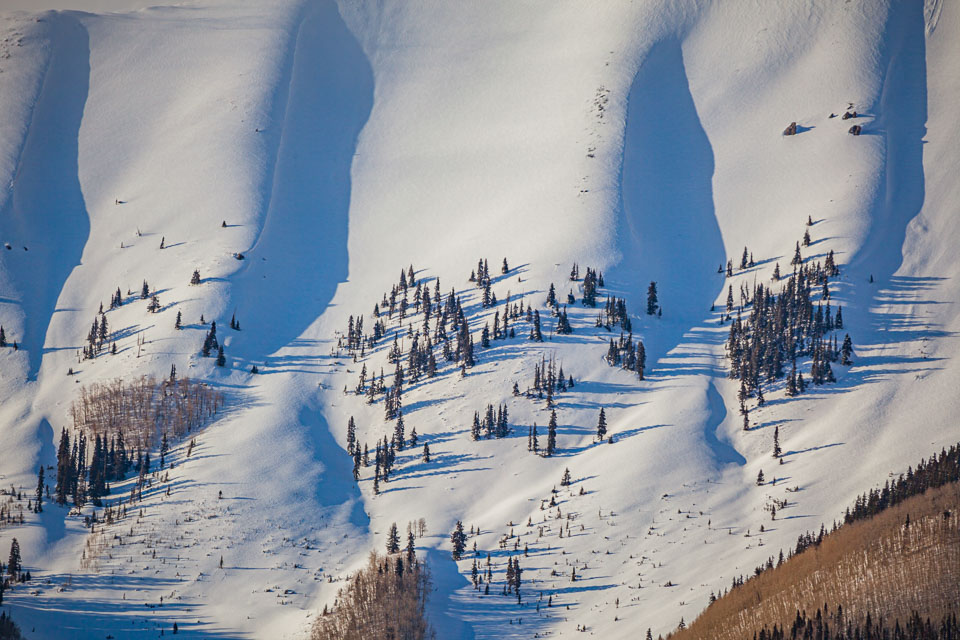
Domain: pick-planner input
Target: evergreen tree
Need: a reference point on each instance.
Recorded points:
(847, 349)
(14, 561)
(426, 452)
(38, 502)
(776, 272)
(3, 337)
(552, 434)
(398, 432)
(776, 442)
(177, 324)
(652, 302)
(760, 479)
(602, 425)
(164, 448)
(565, 480)
(393, 539)
(221, 359)
(351, 436)
(806, 238)
(797, 258)
(65, 469)
(411, 545)
(458, 539)
(195, 279)
(641, 362)
(552, 296)
(535, 333)
(144, 291)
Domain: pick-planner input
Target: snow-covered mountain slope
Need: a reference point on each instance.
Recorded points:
(333, 146)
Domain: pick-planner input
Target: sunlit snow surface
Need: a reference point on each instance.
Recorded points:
(342, 144)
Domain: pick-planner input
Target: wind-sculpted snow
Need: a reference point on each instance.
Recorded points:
(45, 220)
(299, 154)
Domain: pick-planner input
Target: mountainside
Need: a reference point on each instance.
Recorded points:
(299, 156)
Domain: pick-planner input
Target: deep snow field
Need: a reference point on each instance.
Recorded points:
(342, 143)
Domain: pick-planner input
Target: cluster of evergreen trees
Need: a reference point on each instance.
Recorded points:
(14, 573)
(746, 261)
(9, 630)
(481, 277)
(614, 313)
(385, 454)
(414, 352)
(111, 460)
(211, 343)
(97, 337)
(834, 627)
(782, 328)
(548, 380)
(490, 426)
(937, 471)
(533, 438)
(624, 354)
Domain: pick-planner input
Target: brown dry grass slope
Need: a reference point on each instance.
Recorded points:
(877, 565)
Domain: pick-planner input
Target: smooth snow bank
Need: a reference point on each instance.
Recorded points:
(640, 139)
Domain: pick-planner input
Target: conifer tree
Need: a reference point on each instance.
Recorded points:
(535, 333)
(14, 560)
(178, 323)
(221, 359)
(806, 238)
(652, 302)
(65, 469)
(641, 362)
(351, 436)
(760, 478)
(3, 337)
(393, 539)
(565, 481)
(552, 434)
(398, 432)
(602, 425)
(458, 539)
(776, 442)
(38, 502)
(426, 452)
(847, 349)
(797, 258)
(195, 278)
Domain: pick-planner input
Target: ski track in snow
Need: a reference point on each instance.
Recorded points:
(340, 145)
